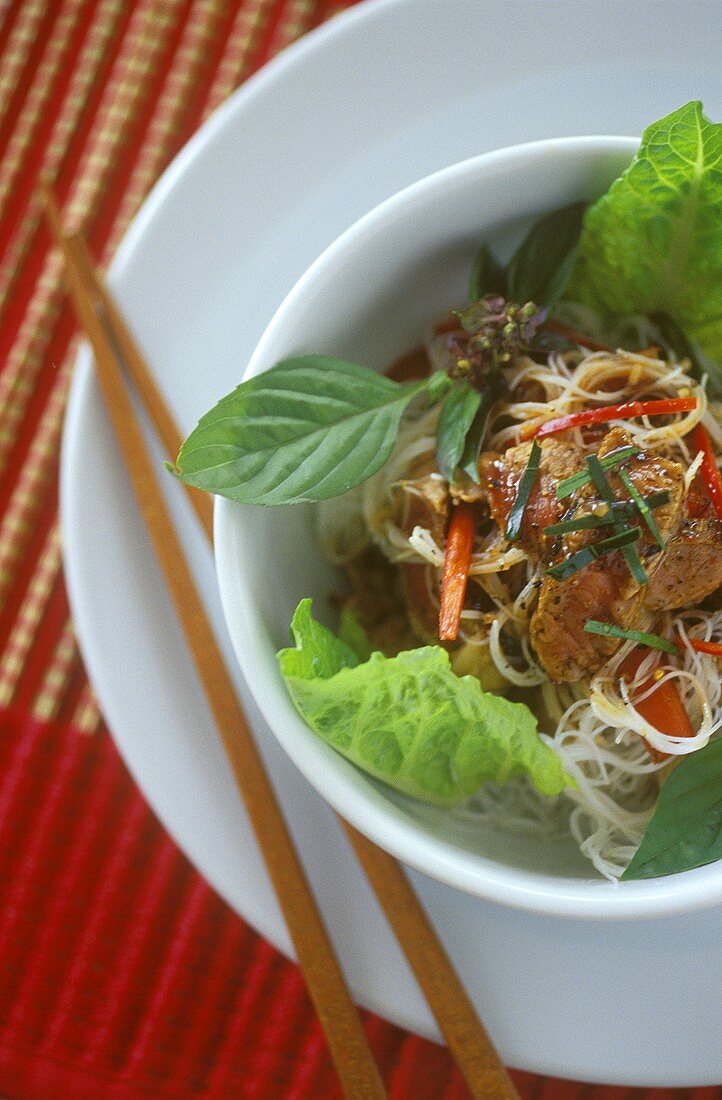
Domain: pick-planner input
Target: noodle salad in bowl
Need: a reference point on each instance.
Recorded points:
(525, 511)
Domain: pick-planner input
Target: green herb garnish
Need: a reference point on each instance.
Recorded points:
(569, 485)
(488, 276)
(685, 830)
(308, 429)
(462, 425)
(410, 720)
(603, 487)
(643, 508)
(610, 630)
(457, 416)
(540, 268)
(567, 568)
(651, 243)
(621, 509)
(524, 489)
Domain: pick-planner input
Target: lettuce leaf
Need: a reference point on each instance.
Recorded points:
(653, 243)
(410, 721)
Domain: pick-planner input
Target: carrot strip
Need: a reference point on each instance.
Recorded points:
(715, 648)
(709, 468)
(455, 570)
(657, 407)
(662, 708)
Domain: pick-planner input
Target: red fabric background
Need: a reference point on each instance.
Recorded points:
(122, 974)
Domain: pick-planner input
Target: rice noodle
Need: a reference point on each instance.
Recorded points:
(593, 725)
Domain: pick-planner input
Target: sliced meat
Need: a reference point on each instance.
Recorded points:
(564, 648)
(691, 567)
(500, 476)
(649, 474)
(424, 502)
(605, 590)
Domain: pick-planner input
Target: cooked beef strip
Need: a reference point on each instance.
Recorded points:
(500, 476)
(691, 567)
(604, 590)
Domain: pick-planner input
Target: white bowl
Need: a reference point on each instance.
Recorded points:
(368, 298)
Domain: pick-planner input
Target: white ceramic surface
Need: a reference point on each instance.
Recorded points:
(377, 99)
(388, 276)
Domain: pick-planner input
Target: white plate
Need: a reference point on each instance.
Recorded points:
(376, 99)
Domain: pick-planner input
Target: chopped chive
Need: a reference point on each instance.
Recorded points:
(643, 508)
(576, 481)
(621, 509)
(579, 523)
(526, 484)
(634, 564)
(598, 476)
(571, 565)
(658, 498)
(601, 482)
(609, 630)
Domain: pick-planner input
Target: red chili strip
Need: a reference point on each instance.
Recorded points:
(709, 468)
(715, 648)
(455, 570)
(660, 407)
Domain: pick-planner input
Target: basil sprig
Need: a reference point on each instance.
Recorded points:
(462, 425)
(457, 416)
(308, 429)
(686, 828)
(540, 268)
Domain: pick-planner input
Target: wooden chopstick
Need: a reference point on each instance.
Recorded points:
(347, 1041)
(467, 1039)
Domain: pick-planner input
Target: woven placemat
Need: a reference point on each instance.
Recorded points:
(121, 973)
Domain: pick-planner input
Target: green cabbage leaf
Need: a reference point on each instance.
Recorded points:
(653, 243)
(409, 720)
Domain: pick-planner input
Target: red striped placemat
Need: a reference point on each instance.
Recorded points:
(122, 974)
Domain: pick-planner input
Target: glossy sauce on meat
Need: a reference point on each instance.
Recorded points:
(688, 569)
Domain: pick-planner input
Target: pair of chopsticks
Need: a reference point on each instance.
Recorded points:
(115, 351)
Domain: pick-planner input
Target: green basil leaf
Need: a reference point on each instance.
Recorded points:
(487, 276)
(410, 720)
(686, 828)
(651, 244)
(495, 389)
(309, 428)
(540, 268)
(457, 416)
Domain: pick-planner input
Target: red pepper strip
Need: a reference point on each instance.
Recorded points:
(624, 411)
(455, 570)
(662, 708)
(715, 648)
(709, 468)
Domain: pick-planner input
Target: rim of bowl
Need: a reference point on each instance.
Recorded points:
(344, 786)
